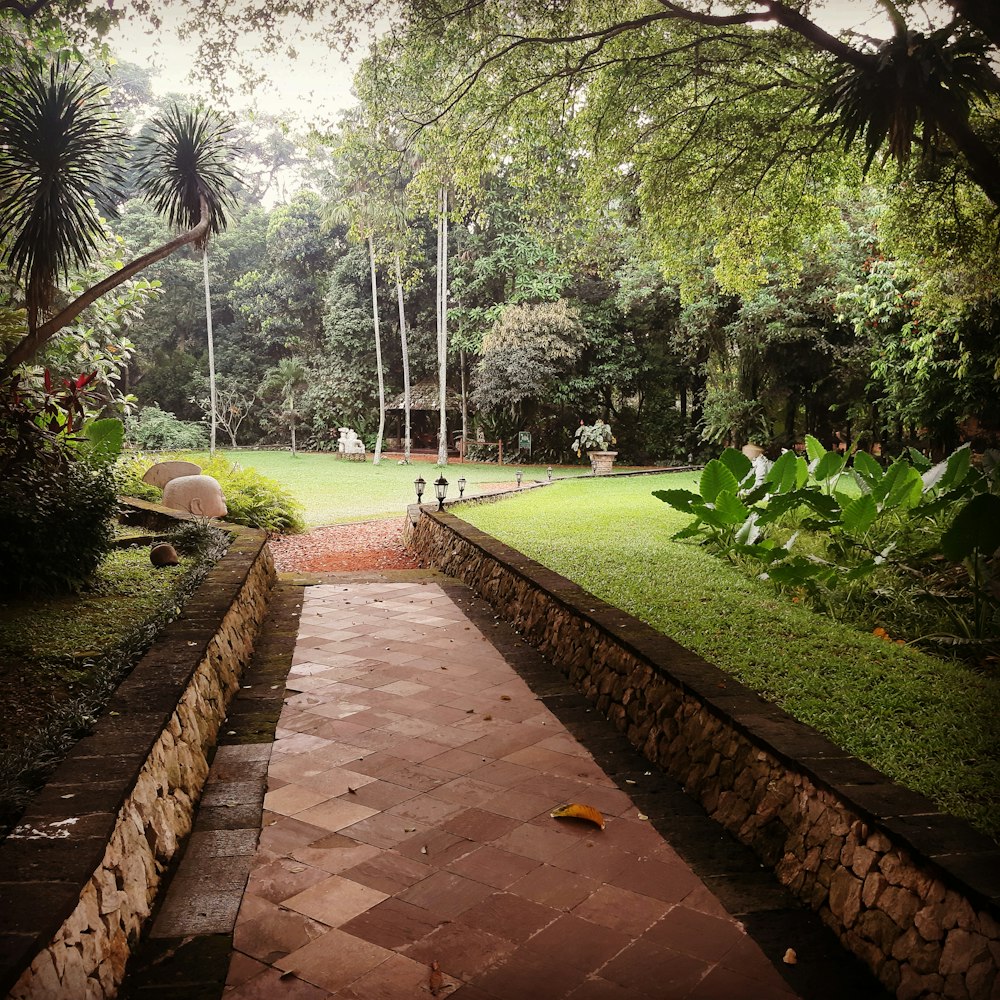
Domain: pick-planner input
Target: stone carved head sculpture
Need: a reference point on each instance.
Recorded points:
(198, 495)
(160, 474)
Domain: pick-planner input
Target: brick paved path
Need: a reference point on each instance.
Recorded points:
(407, 822)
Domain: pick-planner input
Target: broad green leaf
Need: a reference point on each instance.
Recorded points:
(715, 478)
(778, 505)
(795, 573)
(681, 500)
(949, 472)
(788, 473)
(823, 504)
(828, 466)
(814, 449)
(958, 466)
(901, 487)
(919, 460)
(728, 505)
(690, 531)
(976, 527)
(104, 439)
(865, 485)
(737, 463)
(757, 493)
(860, 514)
(867, 467)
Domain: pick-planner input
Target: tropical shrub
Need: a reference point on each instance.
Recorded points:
(256, 500)
(592, 437)
(159, 430)
(847, 534)
(55, 525)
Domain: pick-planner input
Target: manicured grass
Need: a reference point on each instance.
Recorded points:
(931, 724)
(334, 490)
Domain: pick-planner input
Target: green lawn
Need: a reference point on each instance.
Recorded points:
(334, 490)
(931, 724)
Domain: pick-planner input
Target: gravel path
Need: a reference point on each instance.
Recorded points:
(363, 545)
(359, 546)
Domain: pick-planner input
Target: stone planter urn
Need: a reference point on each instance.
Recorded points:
(602, 462)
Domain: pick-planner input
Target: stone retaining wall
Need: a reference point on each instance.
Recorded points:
(80, 873)
(911, 891)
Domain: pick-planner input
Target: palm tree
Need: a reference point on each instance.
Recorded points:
(185, 160)
(287, 377)
(60, 155)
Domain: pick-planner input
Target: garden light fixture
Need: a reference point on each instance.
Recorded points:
(517, 476)
(440, 491)
(550, 473)
(461, 487)
(419, 485)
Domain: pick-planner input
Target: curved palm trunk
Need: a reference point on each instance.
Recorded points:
(30, 344)
(378, 358)
(213, 397)
(406, 362)
(443, 327)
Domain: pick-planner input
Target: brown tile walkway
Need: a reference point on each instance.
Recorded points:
(407, 822)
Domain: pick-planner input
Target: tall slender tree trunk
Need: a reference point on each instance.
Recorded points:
(211, 350)
(291, 418)
(465, 407)
(406, 361)
(378, 358)
(443, 326)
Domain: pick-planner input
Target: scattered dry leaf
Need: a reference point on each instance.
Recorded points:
(790, 957)
(353, 791)
(577, 810)
(436, 979)
(287, 974)
(488, 718)
(505, 697)
(642, 816)
(423, 850)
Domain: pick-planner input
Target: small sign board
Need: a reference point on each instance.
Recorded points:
(524, 441)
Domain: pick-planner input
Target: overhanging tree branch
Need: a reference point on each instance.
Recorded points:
(29, 345)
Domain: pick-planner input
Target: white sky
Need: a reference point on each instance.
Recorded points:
(312, 88)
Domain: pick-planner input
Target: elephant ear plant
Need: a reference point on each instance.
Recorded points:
(836, 528)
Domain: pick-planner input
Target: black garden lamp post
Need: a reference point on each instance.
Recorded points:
(419, 485)
(440, 490)
(550, 473)
(517, 476)
(461, 487)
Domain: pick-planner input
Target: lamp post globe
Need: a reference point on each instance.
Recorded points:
(461, 487)
(419, 485)
(440, 491)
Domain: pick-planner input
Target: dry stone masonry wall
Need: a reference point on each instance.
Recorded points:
(80, 874)
(914, 893)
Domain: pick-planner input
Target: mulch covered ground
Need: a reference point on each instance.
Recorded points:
(365, 545)
(357, 547)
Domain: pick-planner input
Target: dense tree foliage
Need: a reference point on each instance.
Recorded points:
(704, 224)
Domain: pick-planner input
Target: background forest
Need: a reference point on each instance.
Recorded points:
(609, 251)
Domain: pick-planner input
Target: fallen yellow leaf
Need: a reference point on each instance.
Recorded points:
(577, 810)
